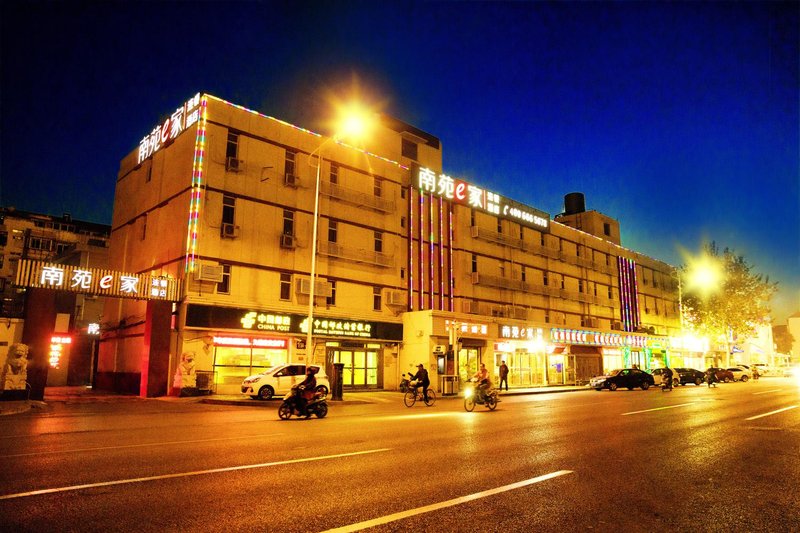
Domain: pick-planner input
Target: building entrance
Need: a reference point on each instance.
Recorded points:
(360, 366)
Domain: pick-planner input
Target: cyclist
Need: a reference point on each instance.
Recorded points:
(666, 378)
(482, 375)
(422, 380)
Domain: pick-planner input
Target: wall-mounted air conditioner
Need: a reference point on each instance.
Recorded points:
(234, 165)
(208, 273)
(229, 231)
(288, 241)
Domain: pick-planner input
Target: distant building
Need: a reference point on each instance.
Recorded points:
(34, 236)
(413, 265)
(793, 325)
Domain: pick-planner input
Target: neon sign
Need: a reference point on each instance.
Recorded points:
(251, 342)
(57, 350)
(343, 328)
(573, 336)
(523, 333)
(461, 192)
(95, 281)
(182, 118)
(266, 321)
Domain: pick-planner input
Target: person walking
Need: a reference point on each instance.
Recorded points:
(503, 376)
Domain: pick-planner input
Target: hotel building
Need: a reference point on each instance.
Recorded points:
(412, 266)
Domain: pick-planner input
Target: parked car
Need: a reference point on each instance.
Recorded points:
(739, 373)
(658, 375)
(690, 375)
(280, 379)
(624, 377)
(764, 370)
(722, 374)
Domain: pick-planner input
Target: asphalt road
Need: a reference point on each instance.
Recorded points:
(719, 459)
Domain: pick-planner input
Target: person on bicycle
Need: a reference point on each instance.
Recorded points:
(422, 380)
(482, 376)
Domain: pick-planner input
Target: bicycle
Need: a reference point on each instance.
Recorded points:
(414, 394)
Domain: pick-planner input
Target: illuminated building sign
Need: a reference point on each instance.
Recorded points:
(93, 329)
(468, 329)
(516, 332)
(57, 350)
(266, 321)
(96, 281)
(573, 336)
(182, 118)
(461, 192)
(254, 342)
(211, 317)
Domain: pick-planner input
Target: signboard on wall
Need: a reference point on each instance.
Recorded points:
(97, 281)
(575, 336)
(211, 317)
(462, 192)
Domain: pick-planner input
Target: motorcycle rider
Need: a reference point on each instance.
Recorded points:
(666, 378)
(306, 389)
(422, 380)
(482, 376)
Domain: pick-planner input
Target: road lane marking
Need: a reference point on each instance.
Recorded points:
(441, 505)
(186, 474)
(772, 412)
(659, 408)
(766, 391)
(139, 445)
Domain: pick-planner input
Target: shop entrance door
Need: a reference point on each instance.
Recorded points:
(360, 367)
(468, 361)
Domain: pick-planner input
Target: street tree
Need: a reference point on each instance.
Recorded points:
(783, 339)
(723, 297)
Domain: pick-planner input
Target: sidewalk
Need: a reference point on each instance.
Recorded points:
(89, 395)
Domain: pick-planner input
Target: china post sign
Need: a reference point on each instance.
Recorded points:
(96, 281)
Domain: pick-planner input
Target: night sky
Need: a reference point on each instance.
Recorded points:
(679, 119)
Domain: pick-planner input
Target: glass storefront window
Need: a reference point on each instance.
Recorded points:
(233, 364)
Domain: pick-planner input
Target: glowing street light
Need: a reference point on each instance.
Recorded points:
(704, 275)
(354, 123)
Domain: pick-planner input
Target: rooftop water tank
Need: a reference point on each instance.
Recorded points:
(574, 203)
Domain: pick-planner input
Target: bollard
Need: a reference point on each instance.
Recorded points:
(336, 384)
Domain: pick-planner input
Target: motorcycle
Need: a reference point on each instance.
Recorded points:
(291, 405)
(473, 395)
(405, 384)
(666, 383)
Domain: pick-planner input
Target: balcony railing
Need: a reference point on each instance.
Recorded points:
(352, 196)
(357, 255)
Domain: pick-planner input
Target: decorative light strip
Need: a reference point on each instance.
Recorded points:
(421, 251)
(441, 254)
(452, 281)
(411, 248)
(315, 134)
(431, 252)
(197, 183)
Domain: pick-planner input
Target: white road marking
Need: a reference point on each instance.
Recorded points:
(441, 505)
(772, 412)
(659, 408)
(186, 474)
(767, 391)
(76, 450)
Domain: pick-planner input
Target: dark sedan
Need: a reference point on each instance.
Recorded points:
(625, 377)
(721, 374)
(690, 375)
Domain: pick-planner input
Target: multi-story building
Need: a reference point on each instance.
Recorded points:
(412, 265)
(39, 237)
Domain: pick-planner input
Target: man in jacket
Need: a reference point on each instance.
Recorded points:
(422, 380)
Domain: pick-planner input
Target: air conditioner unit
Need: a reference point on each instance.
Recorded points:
(474, 230)
(234, 165)
(321, 289)
(468, 306)
(290, 180)
(591, 322)
(476, 278)
(288, 241)
(208, 273)
(616, 326)
(396, 298)
(229, 231)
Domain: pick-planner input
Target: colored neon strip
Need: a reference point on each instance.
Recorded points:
(197, 183)
(441, 254)
(452, 281)
(431, 252)
(421, 251)
(637, 320)
(411, 248)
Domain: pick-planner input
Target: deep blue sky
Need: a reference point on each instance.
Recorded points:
(679, 119)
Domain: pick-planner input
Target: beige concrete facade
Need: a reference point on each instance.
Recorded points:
(227, 206)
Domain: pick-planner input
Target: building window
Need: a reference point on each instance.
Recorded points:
(522, 273)
(578, 250)
(288, 222)
(562, 282)
(334, 176)
(472, 217)
(499, 225)
(377, 187)
(378, 241)
(288, 164)
(402, 193)
(402, 273)
(545, 278)
(333, 231)
(610, 294)
(144, 227)
(606, 229)
(502, 270)
(232, 149)
(409, 149)
(149, 174)
(547, 315)
(541, 240)
(474, 263)
(595, 289)
(376, 298)
(580, 285)
(228, 209)
(286, 286)
(402, 222)
(224, 286)
(3, 238)
(521, 233)
(331, 300)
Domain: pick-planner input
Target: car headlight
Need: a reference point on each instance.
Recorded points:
(253, 380)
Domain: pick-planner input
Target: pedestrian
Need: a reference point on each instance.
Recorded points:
(503, 375)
